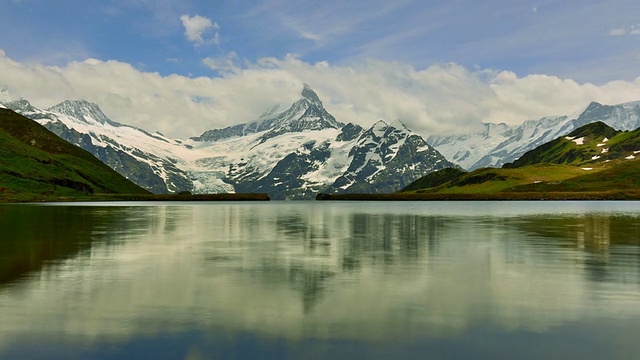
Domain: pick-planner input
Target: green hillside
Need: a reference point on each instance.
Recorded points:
(625, 176)
(594, 159)
(492, 180)
(35, 164)
(592, 145)
(435, 179)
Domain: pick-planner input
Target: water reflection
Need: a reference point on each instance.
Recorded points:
(312, 271)
(34, 237)
(599, 237)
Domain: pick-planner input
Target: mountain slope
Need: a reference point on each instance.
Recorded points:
(303, 150)
(592, 158)
(308, 113)
(146, 159)
(35, 162)
(498, 144)
(435, 179)
(624, 176)
(592, 145)
(290, 153)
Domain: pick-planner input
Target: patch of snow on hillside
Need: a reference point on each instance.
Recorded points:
(605, 150)
(587, 168)
(630, 157)
(579, 141)
(595, 157)
(336, 165)
(569, 137)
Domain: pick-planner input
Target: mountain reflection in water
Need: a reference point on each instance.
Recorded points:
(376, 273)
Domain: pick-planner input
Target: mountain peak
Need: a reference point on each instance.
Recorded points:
(307, 113)
(597, 128)
(309, 94)
(7, 95)
(379, 125)
(20, 106)
(592, 109)
(397, 124)
(82, 109)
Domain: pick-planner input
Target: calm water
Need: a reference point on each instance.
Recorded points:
(321, 280)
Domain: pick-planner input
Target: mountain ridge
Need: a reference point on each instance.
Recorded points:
(36, 164)
(291, 153)
(593, 158)
(497, 144)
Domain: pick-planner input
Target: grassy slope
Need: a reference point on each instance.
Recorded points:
(625, 176)
(434, 179)
(558, 167)
(491, 180)
(35, 164)
(594, 152)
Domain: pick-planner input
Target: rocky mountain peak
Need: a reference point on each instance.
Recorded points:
(379, 125)
(20, 106)
(309, 94)
(307, 113)
(84, 110)
(10, 100)
(397, 127)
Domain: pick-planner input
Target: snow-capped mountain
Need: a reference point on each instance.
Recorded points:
(290, 153)
(498, 144)
(149, 160)
(302, 150)
(308, 113)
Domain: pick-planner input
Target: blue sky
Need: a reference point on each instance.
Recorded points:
(588, 44)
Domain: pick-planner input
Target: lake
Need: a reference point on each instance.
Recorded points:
(320, 280)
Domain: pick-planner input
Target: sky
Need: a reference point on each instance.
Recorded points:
(441, 67)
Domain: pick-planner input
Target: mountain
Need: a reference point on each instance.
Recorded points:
(593, 158)
(306, 114)
(302, 150)
(435, 179)
(37, 164)
(291, 153)
(595, 145)
(146, 159)
(498, 144)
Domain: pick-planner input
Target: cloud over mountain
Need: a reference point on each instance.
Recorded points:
(438, 99)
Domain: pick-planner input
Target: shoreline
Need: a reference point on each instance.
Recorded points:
(525, 196)
(138, 197)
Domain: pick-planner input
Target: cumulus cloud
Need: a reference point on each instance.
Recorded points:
(439, 99)
(197, 26)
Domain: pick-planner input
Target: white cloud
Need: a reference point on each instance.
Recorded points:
(224, 64)
(631, 30)
(195, 28)
(617, 32)
(442, 98)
